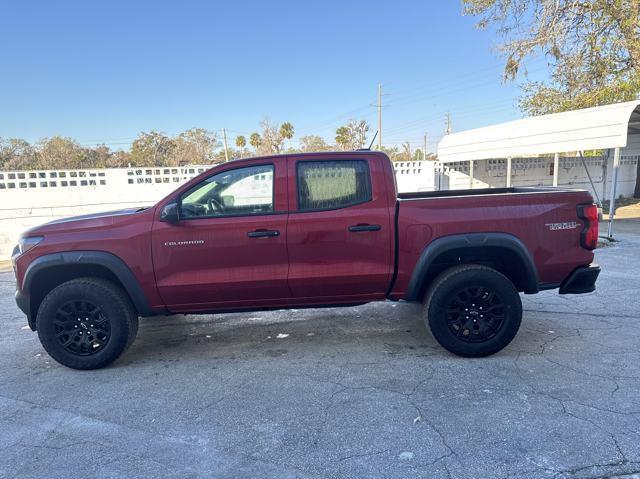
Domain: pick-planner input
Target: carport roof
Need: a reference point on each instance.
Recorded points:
(595, 128)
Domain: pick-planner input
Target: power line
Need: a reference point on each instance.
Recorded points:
(436, 87)
(436, 116)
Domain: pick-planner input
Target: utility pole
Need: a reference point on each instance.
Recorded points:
(447, 129)
(226, 150)
(424, 152)
(379, 116)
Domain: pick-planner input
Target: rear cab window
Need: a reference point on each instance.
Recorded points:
(332, 184)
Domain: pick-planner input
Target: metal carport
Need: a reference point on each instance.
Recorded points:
(598, 128)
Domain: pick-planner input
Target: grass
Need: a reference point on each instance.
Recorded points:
(621, 202)
(625, 208)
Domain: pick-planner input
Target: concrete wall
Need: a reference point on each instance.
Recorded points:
(30, 198)
(415, 175)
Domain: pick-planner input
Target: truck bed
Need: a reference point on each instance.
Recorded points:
(543, 219)
(481, 191)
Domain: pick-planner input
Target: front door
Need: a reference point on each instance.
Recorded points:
(229, 247)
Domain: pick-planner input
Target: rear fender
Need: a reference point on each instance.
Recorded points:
(445, 244)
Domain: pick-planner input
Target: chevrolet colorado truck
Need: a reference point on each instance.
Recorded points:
(304, 230)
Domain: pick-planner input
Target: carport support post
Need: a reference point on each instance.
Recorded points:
(509, 172)
(556, 167)
(614, 182)
(471, 174)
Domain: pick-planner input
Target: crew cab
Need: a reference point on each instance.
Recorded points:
(304, 230)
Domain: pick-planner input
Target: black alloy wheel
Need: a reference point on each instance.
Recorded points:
(475, 314)
(473, 310)
(86, 323)
(82, 328)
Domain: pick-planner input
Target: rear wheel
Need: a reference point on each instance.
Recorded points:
(86, 323)
(473, 310)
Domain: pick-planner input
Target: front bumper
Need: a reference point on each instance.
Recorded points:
(581, 280)
(24, 303)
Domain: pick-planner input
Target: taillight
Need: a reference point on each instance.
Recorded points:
(589, 235)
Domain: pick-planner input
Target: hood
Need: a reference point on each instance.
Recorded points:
(93, 216)
(86, 222)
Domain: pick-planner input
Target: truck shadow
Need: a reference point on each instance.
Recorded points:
(385, 328)
(373, 332)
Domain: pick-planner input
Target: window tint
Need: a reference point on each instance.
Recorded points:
(326, 185)
(243, 191)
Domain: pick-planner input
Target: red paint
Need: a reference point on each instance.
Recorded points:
(315, 259)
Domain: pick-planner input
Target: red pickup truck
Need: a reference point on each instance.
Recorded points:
(304, 230)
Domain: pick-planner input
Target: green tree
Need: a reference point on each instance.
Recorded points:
(592, 48)
(407, 154)
(97, 157)
(312, 143)
(153, 149)
(255, 140)
(353, 135)
(119, 159)
(287, 131)
(58, 152)
(392, 152)
(194, 147)
(343, 138)
(241, 142)
(17, 154)
(271, 138)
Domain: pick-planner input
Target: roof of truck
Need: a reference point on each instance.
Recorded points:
(313, 154)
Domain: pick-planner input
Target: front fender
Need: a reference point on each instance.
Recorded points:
(100, 258)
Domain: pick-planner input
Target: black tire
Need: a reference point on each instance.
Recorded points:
(479, 330)
(86, 323)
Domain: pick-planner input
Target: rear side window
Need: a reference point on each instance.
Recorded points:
(327, 185)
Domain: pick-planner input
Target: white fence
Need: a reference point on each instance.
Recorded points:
(29, 198)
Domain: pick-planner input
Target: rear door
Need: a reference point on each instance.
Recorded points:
(339, 230)
(229, 247)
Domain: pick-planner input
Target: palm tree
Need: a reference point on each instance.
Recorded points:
(255, 140)
(241, 142)
(287, 131)
(406, 151)
(343, 137)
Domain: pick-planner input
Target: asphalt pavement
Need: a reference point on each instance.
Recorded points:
(337, 393)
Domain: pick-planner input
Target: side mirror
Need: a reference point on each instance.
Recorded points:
(170, 213)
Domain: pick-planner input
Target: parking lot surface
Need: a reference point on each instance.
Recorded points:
(357, 392)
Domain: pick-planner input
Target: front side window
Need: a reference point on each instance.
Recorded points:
(325, 185)
(243, 191)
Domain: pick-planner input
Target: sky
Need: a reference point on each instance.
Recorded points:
(101, 72)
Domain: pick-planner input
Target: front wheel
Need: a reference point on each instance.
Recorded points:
(473, 310)
(86, 323)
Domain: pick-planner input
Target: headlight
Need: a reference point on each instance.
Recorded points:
(25, 244)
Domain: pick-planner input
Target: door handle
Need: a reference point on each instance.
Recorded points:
(363, 227)
(263, 233)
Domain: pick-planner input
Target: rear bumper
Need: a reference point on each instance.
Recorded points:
(24, 304)
(581, 280)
